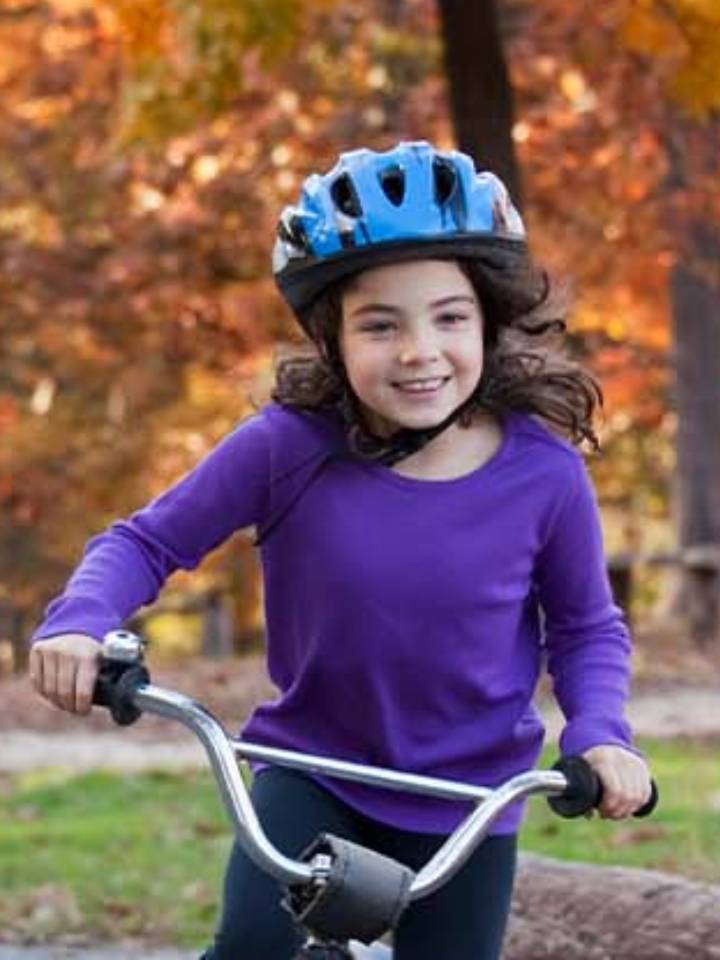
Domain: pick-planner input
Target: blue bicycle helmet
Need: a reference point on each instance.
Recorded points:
(373, 208)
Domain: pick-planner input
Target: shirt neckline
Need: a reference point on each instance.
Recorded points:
(388, 475)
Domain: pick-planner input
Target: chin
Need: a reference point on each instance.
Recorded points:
(386, 422)
(421, 423)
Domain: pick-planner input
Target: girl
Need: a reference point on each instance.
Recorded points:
(428, 538)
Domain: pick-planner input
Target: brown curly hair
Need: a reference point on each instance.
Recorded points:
(526, 367)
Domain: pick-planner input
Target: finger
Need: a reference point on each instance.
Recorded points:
(49, 675)
(634, 783)
(85, 684)
(642, 789)
(613, 801)
(35, 669)
(67, 672)
(628, 796)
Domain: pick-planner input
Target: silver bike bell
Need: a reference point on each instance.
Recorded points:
(123, 646)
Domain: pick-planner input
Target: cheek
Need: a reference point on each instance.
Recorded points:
(365, 378)
(354, 376)
(359, 368)
(474, 352)
(348, 357)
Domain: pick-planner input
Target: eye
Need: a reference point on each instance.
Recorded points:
(450, 319)
(376, 326)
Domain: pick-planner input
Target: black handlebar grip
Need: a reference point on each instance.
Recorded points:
(648, 807)
(585, 790)
(115, 686)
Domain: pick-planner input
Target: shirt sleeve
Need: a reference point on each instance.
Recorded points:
(125, 567)
(586, 638)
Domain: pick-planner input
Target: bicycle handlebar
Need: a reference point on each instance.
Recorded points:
(124, 687)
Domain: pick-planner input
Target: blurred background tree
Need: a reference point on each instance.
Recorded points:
(146, 147)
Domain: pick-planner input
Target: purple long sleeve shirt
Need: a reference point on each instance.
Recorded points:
(407, 620)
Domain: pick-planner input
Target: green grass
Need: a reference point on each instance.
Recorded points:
(112, 856)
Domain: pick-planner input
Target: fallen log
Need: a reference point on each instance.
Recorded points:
(578, 911)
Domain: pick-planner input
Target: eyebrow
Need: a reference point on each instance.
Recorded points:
(389, 308)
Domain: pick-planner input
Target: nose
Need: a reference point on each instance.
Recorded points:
(418, 347)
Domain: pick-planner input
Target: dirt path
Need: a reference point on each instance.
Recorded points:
(9, 952)
(671, 712)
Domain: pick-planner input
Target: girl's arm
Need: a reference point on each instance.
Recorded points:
(588, 646)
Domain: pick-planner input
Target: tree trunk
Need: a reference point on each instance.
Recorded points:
(245, 588)
(695, 300)
(479, 87)
(575, 911)
(218, 628)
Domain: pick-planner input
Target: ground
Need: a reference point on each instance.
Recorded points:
(129, 952)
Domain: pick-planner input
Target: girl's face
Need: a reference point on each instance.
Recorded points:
(411, 339)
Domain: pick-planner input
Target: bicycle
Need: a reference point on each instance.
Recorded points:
(344, 896)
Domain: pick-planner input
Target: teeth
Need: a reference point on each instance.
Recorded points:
(421, 386)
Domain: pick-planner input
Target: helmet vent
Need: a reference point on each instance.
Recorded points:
(291, 230)
(294, 232)
(445, 180)
(284, 233)
(346, 199)
(392, 180)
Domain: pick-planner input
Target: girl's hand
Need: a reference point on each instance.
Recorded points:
(63, 670)
(625, 778)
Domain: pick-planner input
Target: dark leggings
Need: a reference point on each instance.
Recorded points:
(464, 920)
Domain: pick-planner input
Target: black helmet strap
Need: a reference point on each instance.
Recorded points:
(401, 444)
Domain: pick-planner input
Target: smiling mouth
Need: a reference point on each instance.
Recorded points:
(421, 385)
